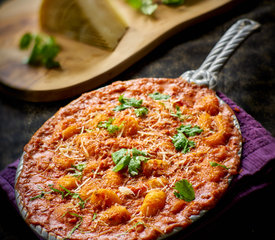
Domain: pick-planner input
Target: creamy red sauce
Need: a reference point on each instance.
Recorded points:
(70, 151)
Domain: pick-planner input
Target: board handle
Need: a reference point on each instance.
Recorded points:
(207, 73)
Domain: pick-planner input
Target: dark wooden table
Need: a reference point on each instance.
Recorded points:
(248, 78)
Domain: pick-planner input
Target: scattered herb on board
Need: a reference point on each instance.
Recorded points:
(44, 50)
(185, 190)
(214, 164)
(129, 157)
(159, 96)
(131, 102)
(148, 7)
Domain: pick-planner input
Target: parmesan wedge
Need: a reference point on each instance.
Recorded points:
(93, 22)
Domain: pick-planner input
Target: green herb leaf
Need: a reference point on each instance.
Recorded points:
(76, 226)
(177, 114)
(94, 216)
(182, 143)
(134, 226)
(131, 102)
(130, 158)
(159, 96)
(78, 169)
(73, 195)
(80, 166)
(109, 126)
(173, 2)
(185, 190)
(127, 103)
(58, 191)
(43, 52)
(25, 41)
(188, 130)
(142, 111)
(135, 3)
(148, 7)
(214, 164)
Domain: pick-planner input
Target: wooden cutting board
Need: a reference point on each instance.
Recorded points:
(85, 67)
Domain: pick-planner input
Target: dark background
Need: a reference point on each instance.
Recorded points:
(248, 78)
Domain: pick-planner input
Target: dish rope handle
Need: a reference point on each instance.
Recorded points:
(207, 73)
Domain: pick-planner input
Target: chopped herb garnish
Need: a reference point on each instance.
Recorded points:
(177, 114)
(189, 131)
(109, 126)
(185, 190)
(25, 41)
(41, 195)
(66, 193)
(159, 96)
(73, 195)
(76, 226)
(131, 102)
(148, 7)
(94, 216)
(142, 111)
(58, 191)
(129, 157)
(180, 140)
(214, 164)
(182, 143)
(43, 52)
(78, 169)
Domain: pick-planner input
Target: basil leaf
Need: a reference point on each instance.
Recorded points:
(136, 152)
(130, 158)
(188, 130)
(134, 166)
(127, 103)
(122, 163)
(159, 96)
(182, 143)
(116, 156)
(185, 190)
(131, 102)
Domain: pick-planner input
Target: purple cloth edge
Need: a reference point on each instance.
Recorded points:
(258, 151)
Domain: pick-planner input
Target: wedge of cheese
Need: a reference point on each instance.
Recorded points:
(94, 22)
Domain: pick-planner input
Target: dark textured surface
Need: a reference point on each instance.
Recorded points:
(248, 78)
